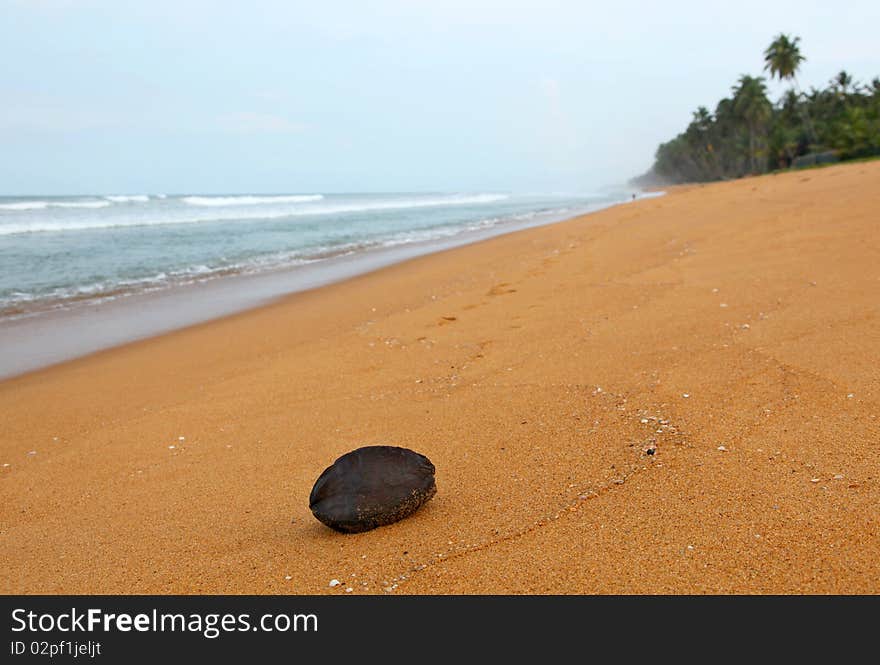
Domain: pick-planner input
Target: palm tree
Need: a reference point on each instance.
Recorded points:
(727, 137)
(751, 104)
(783, 59)
(842, 83)
(698, 138)
(789, 102)
(786, 131)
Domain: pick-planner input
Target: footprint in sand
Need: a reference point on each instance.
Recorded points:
(500, 289)
(444, 320)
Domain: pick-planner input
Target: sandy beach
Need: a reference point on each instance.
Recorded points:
(731, 329)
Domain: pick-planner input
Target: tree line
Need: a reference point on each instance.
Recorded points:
(747, 134)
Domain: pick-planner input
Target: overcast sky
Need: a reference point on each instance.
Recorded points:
(196, 96)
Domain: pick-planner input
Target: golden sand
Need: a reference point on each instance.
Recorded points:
(734, 329)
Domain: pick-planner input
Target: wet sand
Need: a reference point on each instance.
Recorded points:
(731, 329)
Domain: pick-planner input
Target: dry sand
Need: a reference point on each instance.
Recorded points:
(534, 369)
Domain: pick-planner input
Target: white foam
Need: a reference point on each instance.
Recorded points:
(24, 205)
(219, 201)
(79, 204)
(401, 204)
(130, 198)
(41, 205)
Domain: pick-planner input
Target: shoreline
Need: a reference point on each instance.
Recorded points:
(30, 342)
(732, 330)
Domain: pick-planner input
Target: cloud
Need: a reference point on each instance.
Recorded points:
(251, 122)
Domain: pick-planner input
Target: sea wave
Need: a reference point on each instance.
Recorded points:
(42, 205)
(403, 204)
(25, 205)
(128, 198)
(222, 201)
(45, 226)
(79, 204)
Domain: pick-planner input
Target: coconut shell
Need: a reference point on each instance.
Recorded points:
(371, 487)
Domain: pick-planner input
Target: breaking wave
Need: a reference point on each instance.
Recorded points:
(221, 201)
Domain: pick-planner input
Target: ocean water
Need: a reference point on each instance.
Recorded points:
(57, 252)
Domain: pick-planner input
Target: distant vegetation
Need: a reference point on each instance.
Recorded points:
(748, 134)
